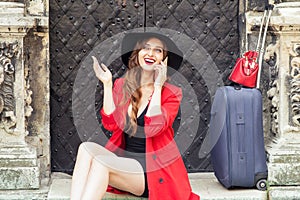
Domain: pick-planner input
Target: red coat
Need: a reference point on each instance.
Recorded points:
(166, 173)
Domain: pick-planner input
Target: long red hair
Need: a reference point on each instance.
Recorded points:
(132, 84)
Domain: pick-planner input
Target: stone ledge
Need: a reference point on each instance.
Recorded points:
(204, 184)
(38, 194)
(18, 168)
(283, 15)
(14, 156)
(19, 178)
(23, 195)
(9, 8)
(31, 194)
(208, 187)
(15, 22)
(284, 193)
(284, 157)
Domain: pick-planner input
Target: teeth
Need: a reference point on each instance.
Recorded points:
(149, 60)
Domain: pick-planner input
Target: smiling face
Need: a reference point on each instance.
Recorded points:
(151, 54)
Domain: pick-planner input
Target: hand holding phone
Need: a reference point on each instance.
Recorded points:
(161, 73)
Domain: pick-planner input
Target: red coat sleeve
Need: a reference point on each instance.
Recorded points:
(171, 98)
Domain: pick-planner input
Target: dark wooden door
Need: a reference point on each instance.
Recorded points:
(211, 45)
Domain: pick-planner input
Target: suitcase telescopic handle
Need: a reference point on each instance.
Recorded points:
(258, 45)
(261, 45)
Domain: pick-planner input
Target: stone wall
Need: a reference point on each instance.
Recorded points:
(24, 97)
(36, 60)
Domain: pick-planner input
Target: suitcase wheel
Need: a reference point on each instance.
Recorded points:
(261, 184)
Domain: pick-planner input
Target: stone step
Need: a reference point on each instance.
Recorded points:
(284, 161)
(284, 193)
(204, 184)
(18, 168)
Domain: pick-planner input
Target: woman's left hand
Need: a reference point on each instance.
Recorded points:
(161, 73)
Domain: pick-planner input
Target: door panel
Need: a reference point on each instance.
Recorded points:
(77, 27)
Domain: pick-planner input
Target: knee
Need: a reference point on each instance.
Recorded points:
(82, 147)
(83, 151)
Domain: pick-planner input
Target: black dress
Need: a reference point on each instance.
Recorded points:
(135, 146)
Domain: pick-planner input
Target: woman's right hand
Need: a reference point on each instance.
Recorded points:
(102, 72)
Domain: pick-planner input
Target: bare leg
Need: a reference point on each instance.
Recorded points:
(97, 182)
(122, 173)
(86, 153)
(97, 167)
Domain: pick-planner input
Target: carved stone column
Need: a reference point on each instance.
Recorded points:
(283, 46)
(18, 160)
(19, 164)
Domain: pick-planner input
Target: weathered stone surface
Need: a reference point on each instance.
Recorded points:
(6, 8)
(24, 25)
(36, 194)
(284, 193)
(38, 70)
(284, 161)
(15, 178)
(285, 14)
(23, 195)
(257, 5)
(36, 7)
(14, 156)
(18, 168)
(204, 184)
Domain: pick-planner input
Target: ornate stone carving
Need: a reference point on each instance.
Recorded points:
(7, 78)
(24, 157)
(27, 97)
(271, 56)
(295, 84)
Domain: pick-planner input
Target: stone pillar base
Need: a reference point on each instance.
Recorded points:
(284, 193)
(284, 161)
(18, 168)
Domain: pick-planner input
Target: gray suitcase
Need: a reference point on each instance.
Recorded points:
(236, 130)
(238, 155)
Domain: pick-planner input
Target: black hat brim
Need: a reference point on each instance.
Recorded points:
(175, 56)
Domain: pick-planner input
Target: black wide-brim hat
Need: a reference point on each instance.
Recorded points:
(129, 41)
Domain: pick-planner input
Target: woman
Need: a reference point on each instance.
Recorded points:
(141, 157)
